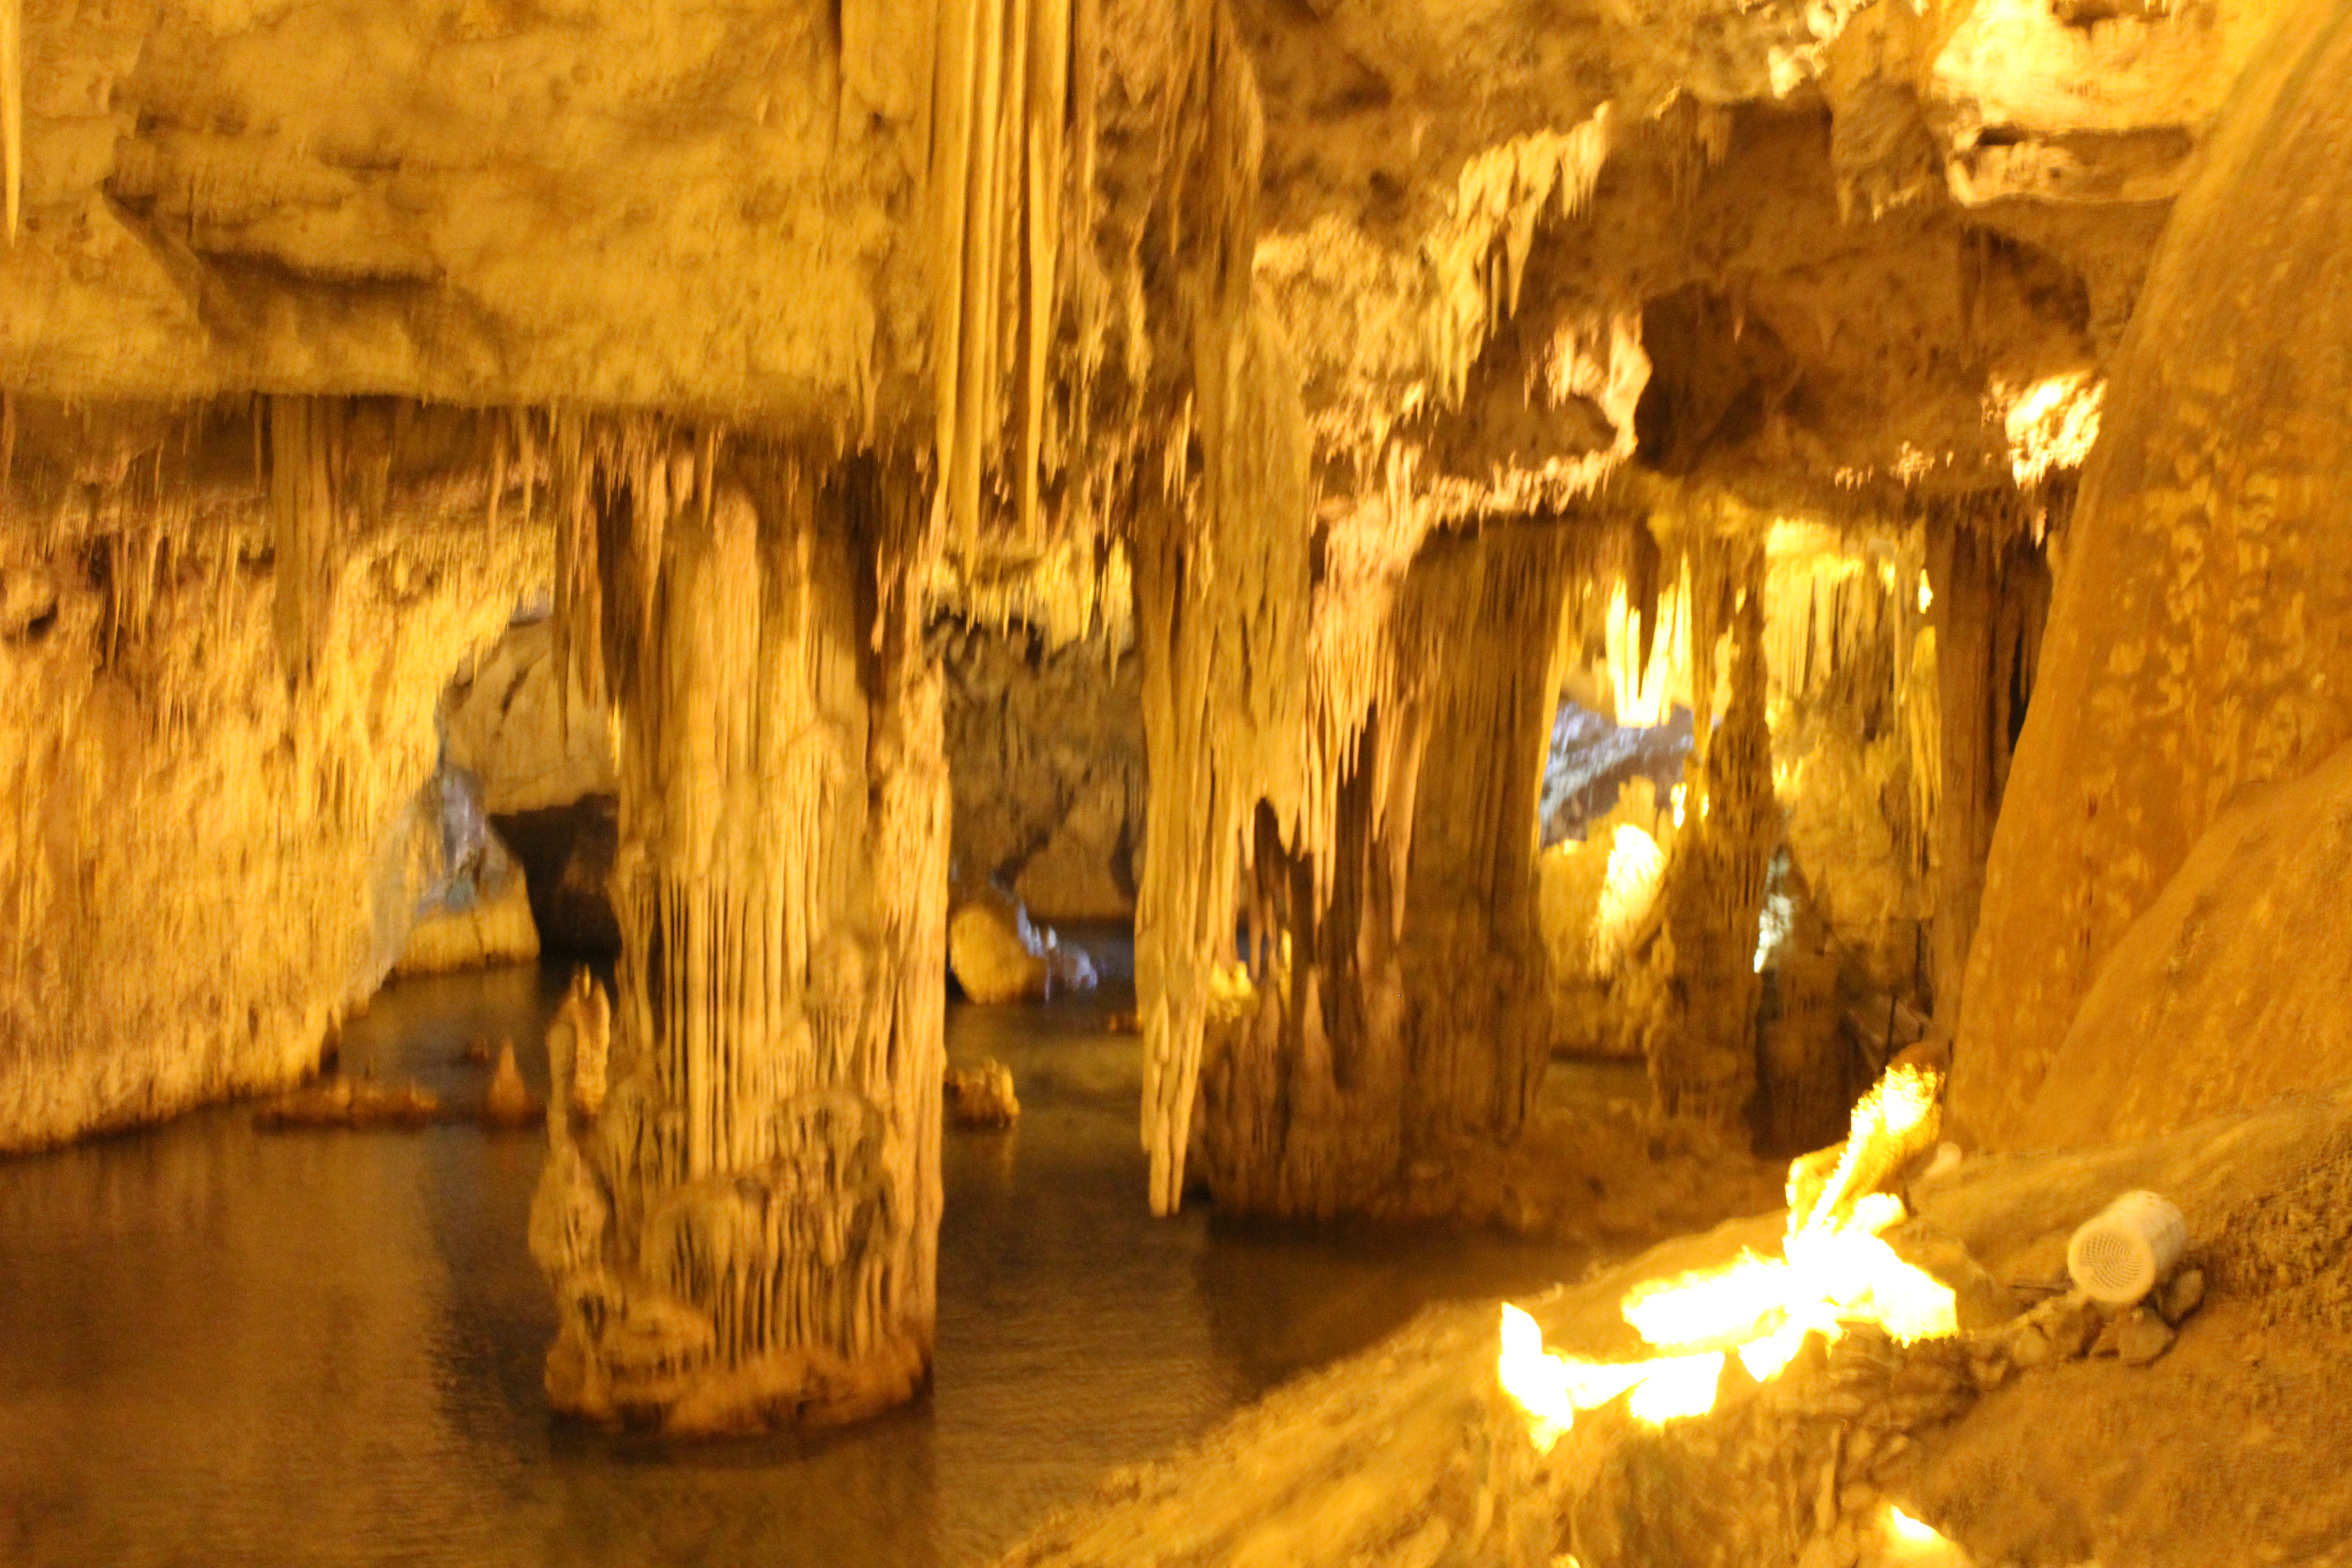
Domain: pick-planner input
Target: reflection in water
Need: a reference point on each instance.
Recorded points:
(224, 1347)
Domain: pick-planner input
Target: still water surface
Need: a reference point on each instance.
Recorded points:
(225, 1347)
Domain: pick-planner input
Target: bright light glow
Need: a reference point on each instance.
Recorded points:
(1646, 692)
(1727, 1303)
(1539, 1382)
(1677, 1388)
(1631, 888)
(1835, 1269)
(1774, 922)
(1927, 594)
(2050, 424)
(1679, 792)
(1764, 1358)
(1551, 1389)
(1893, 1110)
(1902, 1527)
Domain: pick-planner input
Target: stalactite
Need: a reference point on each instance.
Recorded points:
(1220, 629)
(306, 441)
(1220, 596)
(1008, 213)
(1479, 258)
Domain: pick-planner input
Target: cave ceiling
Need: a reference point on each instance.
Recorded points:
(1517, 245)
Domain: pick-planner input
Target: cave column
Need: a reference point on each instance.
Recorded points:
(1474, 960)
(748, 1237)
(1399, 1002)
(1963, 578)
(1701, 1036)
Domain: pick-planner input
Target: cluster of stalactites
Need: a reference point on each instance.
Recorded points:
(1843, 614)
(1847, 631)
(1479, 257)
(151, 519)
(1221, 618)
(616, 483)
(1010, 177)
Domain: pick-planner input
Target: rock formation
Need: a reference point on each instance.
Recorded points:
(507, 1102)
(207, 854)
(1046, 752)
(582, 1035)
(2198, 626)
(764, 1173)
(998, 954)
(1172, 456)
(982, 1096)
(475, 910)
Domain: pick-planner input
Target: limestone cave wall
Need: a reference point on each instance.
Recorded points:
(207, 857)
(2193, 673)
(1046, 752)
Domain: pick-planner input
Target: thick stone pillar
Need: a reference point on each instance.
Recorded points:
(748, 1237)
(1398, 999)
(1961, 571)
(1701, 1040)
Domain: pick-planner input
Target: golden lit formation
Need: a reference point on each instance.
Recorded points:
(1835, 1270)
(2050, 424)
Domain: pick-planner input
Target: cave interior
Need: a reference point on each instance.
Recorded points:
(1697, 639)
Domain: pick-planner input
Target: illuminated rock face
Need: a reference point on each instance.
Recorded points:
(746, 1235)
(2203, 618)
(205, 854)
(534, 745)
(477, 203)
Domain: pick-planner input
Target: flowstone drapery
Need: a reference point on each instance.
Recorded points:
(746, 1235)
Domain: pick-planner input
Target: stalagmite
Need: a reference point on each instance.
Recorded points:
(583, 1035)
(507, 1102)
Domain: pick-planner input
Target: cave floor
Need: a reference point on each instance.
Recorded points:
(222, 1345)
